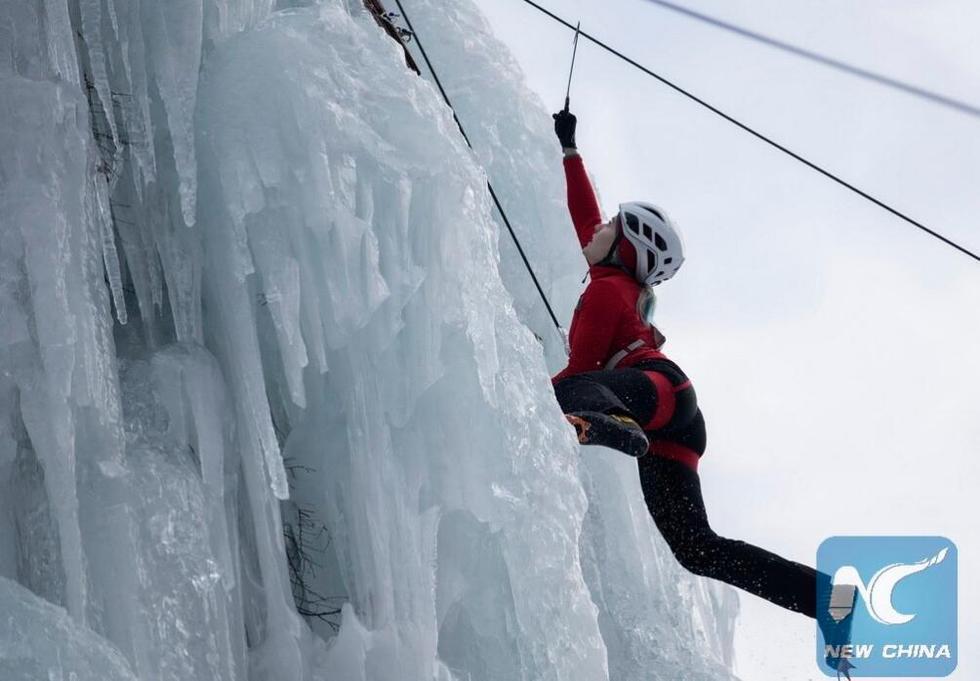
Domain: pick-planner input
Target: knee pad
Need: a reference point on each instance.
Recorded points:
(677, 403)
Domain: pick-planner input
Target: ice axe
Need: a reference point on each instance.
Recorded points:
(568, 89)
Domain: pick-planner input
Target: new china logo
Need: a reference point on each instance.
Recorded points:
(904, 618)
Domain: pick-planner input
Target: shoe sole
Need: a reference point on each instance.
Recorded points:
(595, 428)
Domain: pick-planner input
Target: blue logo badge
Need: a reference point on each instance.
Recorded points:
(896, 598)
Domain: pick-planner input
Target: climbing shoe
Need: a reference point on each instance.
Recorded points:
(609, 430)
(835, 614)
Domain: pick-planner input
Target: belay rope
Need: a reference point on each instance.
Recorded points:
(493, 194)
(877, 78)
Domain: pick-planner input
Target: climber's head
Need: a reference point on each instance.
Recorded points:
(652, 250)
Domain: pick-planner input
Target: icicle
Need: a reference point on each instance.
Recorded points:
(91, 12)
(101, 218)
(113, 19)
(140, 258)
(174, 34)
(60, 43)
(50, 425)
(281, 297)
(135, 103)
(179, 253)
(45, 204)
(192, 388)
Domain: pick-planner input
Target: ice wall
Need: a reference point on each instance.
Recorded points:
(40, 641)
(262, 355)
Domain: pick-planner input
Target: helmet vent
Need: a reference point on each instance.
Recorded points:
(632, 223)
(667, 261)
(654, 211)
(647, 232)
(651, 260)
(661, 244)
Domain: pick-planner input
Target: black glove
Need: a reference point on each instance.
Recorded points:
(565, 128)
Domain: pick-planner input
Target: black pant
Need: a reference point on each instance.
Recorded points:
(672, 490)
(673, 495)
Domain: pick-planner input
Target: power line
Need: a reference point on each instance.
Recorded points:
(887, 81)
(493, 194)
(756, 134)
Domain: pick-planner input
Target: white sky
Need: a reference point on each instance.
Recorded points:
(835, 349)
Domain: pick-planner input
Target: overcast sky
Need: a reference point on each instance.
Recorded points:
(834, 348)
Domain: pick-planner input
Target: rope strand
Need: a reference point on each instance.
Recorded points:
(759, 135)
(887, 81)
(493, 194)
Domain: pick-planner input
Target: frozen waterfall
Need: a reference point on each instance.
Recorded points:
(274, 384)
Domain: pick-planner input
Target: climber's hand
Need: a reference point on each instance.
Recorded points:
(565, 128)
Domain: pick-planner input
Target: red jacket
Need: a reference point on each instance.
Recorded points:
(606, 319)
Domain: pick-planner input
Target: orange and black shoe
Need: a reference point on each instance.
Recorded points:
(609, 430)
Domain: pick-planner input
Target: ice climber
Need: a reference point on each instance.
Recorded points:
(621, 391)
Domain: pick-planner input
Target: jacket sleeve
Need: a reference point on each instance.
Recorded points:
(596, 321)
(582, 204)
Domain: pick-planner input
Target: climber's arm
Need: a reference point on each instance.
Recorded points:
(582, 203)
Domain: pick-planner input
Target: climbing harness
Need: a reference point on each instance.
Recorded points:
(621, 355)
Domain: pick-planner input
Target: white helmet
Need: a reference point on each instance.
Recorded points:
(658, 244)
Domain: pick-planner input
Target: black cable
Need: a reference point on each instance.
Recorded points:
(758, 135)
(934, 97)
(493, 194)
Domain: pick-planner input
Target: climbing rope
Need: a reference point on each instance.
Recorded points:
(755, 133)
(493, 194)
(907, 88)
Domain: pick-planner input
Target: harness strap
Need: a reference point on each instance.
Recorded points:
(619, 356)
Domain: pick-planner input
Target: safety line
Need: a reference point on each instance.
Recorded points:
(915, 90)
(758, 135)
(493, 194)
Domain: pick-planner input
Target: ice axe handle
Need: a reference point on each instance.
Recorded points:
(571, 68)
